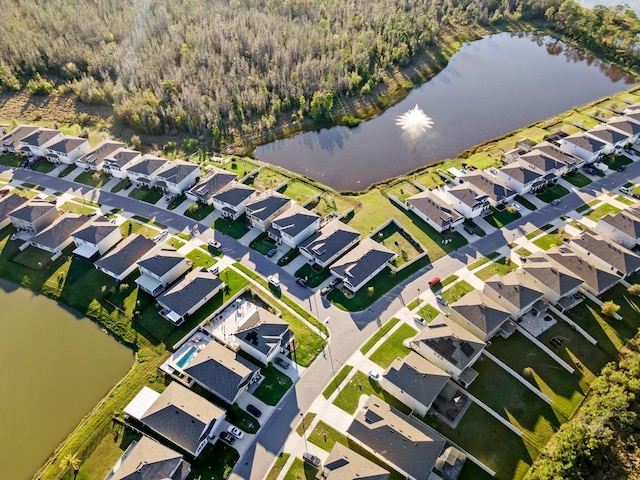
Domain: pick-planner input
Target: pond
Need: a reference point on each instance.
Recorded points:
(56, 367)
(490, 87)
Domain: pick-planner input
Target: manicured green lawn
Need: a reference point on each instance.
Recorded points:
(482, 261)
(288, 257)
(403, 190)
(274, 385)
(490, 442)
(514, 402)
(428, 312)
(499, 219)
(74, 207)
(601, 211)
(523, 252)
(329, 203)
(300, 470)
(548, 194)
(429, 179)
(11, 160)
(577, 179)
(234, 229)
(262, 244)
(368, 345)
(129, 227)
(241, 166)
(396, 239)
(393, 348)
(538, 231)
(215, 462)
(149, 195)
(174, 242)
(525, 203)
(44, 167)
(277, 466)
(201, 258)
(176, 202)
(337, 380)
(360, 384)
(66, 171)
(266, 178)
(198, 211)
(539, 369)
(617, 161)
(413, 304)
(120, 185)
(625, 200)
(314, 278)
(107, 452)
(325, 437)
(610, 333)
(301, 191)
(241, 419)
(548, 241)
(33, 258)
(93, 178)
(500, 267)
(306, 422)
(457, 291)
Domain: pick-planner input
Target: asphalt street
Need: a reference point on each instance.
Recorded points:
(348, 330)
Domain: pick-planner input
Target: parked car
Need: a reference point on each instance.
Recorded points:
(213, 243)
(419, 319)
(253, 410)
(334, 283)
(601, 166)
(312, 459)
(624, 189)
(589, 170)
(621, 168)
(325, 290)
(635, 195)
(281, 362)
(274, 280)
(374, 376)
(441, 300)
(4, 192)
(227, 437)
(469, 229)
(514, 205)
(555, 201)
(272, 252)
(434, 281)
(302, 282)
(236, 432)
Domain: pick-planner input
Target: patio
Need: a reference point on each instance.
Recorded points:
(537, 320)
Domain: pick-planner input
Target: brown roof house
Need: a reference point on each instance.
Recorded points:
(597, 279)
(481, 315)
(618, 259)
(513, 293)
(345, 464)
(623, 227)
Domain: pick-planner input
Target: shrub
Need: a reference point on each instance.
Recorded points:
(634, 289)
(610, 308)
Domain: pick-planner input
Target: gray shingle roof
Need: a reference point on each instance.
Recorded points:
(10, 203)
(234, 194)
(403, 441)
(454, 343)
(60, 230)
(541, 161)
(40, 137)
(32, 210)
(556, 278)
(189, 291)
(513, 291)
(345, 464)
(148, 165)
(265, 331)
(595, 277)
(148, 460)
(362, 261)
(18, 134)
(332, 239)
(182, 416)
(619, 257)
(628, 224)
(560, 155)
(585, 142)
(484, 183)
(212, 183)
(624, 124)
(267, 205)
(97, 231)
(123, 156)
(294, 220)
(177, 171)
(220, 370)
(607, 135)
(520, 172)
(481, 311)
(99, 153)
(67, 144)
(435, 209)
(125, 254)
(467, 195)
(163, 261)
(417, 377)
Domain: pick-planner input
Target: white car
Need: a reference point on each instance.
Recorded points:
(601, 166)
(213, 243)
(374, 376)
(236, 432)
(514, 205)
(274, 280)
(419, 319)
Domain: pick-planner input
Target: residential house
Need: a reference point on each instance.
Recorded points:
(549, 149)
(560, 286)
(160, 270)
(345, 464)
(467, 201)
(10, 142)
(263, 336)
(221, 371)
(144, 172)
(57, 236)
(95, 239)
(633, 116)
(265, 207)
(623, 227)
(231, 200)
(481, 315)
(543, 163)
(122, 261)
(626, 126)
(435, 211)
(36, 144)
(327, 245)
(188, 295)
(67, 150)
(7, 205)
(34, 215)
(92, 160)
(293, 226)
(117, 164)
(451, 347)
(414, 381)
(362, 263)
(513, 293)
(148, 459)
(484, 184)
(584, 146)
(179, 415)
(520, 177)
(406, 443)
(613, 139)
(178, 176)
(597, 279)
(215, 180)
(618, 259)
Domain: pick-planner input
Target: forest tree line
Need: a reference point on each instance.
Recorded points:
(213, 68)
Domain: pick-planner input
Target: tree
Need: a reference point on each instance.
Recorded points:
(321, 105)
(634, 289)
(610, 308)
(70, 460)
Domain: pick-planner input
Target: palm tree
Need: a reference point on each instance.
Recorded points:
(70, 460)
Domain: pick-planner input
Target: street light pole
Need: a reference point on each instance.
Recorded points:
(304, 434)
(326, 322)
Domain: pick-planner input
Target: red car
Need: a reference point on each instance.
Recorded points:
(434, 281)
(4, 192)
